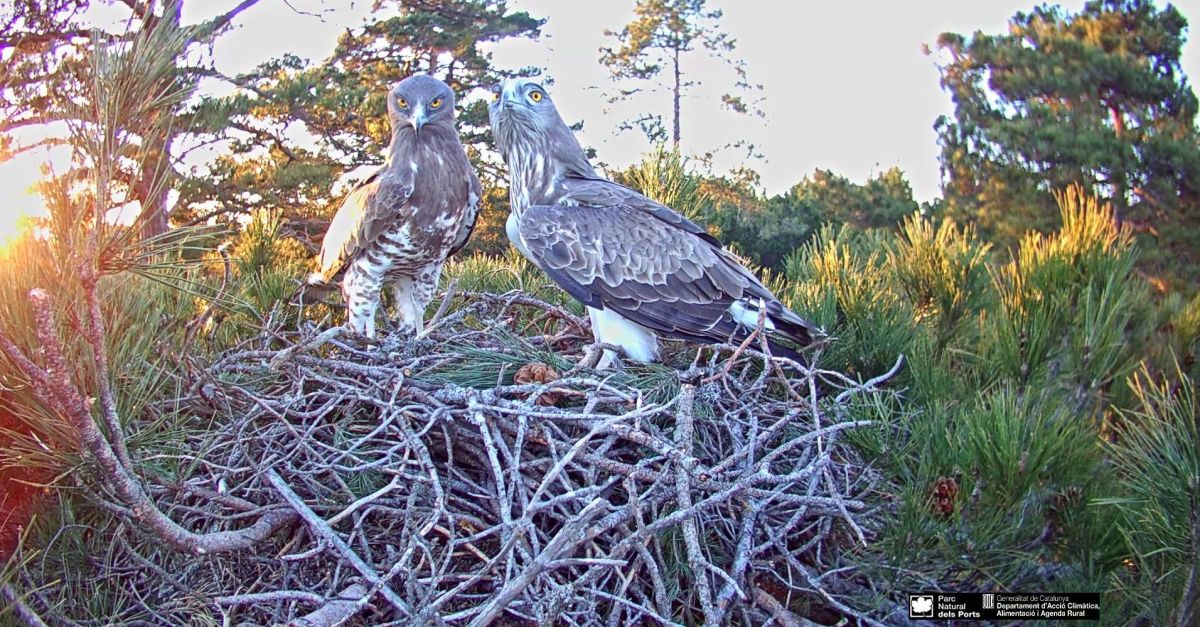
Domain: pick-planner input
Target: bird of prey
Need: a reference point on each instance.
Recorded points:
(642, 269)
(400, 225)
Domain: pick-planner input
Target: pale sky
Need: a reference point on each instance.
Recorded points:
(846, 84)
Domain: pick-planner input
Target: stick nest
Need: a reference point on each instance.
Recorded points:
(478, 475)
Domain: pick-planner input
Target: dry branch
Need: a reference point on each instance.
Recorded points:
(433, 489)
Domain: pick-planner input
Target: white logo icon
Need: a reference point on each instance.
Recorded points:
(920, 606)
(989, 601)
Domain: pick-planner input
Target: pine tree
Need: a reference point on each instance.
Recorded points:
(1096, 98)
(659, 38)
(48, 47)
(341, 104)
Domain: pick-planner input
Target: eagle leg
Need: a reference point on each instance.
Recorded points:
(413, 295)
(636, 342)
(610, 359)
(361, 292)
(406, 323)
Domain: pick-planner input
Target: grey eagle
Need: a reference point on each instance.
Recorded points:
(398, 227)
(642, 269)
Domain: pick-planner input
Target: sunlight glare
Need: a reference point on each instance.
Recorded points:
(21, 203)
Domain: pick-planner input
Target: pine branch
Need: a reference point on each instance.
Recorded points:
(55, 389)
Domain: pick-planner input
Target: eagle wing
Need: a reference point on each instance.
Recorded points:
(597, 192)
(474, 194)
(660, 271)
(368, 210)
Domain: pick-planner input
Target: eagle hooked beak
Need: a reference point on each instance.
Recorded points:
(505, 95)
(418, 118)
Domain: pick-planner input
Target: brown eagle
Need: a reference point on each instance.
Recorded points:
(398, 227)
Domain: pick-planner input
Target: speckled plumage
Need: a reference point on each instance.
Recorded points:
(641, 268)
(398, 227)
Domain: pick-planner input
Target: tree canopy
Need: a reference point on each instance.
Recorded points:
(659, 37)
(48, 49)
(1096, 98)
(768, 229)
(340, 105)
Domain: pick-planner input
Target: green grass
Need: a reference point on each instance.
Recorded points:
(1050, 386)
(1019, 370)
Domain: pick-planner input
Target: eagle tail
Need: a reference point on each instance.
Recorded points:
(782, 324)
(791, 327)
(315, 289)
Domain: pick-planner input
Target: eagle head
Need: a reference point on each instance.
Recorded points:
(521, 111)
(528, 127)
(418, 101)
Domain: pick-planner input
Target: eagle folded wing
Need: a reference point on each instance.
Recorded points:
(366, 212)
(649, 271)
(474, 195)
(595, 192)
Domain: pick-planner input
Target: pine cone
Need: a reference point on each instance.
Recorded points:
(538, 372)
(941, 498)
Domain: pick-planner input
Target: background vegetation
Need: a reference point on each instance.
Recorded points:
(1042, 435)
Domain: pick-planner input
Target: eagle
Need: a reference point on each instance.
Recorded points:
(400, 225)
(642, 269)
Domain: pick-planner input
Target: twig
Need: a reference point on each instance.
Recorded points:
(335, 611)
(287, 354)
(444, 307)
(20, 611)
(322, 530)
(684, 428)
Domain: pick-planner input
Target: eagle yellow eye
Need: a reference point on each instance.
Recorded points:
(535, 96)
(402, 103)
(435, 103)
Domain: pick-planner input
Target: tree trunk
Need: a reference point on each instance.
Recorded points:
(675, 104)
(152, 190)
(154, 167)
(1120, 184)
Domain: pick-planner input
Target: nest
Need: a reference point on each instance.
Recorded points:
(479, 475)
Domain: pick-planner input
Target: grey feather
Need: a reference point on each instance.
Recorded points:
(612, 247)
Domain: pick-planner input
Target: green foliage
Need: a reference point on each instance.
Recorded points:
(1157, 456)
(941, 270)
(659, 37)
(489, 236)
(1015, 373)
(267, 266)
(663, 177)
(1015, 445)
(498, 275)
(846, 268)
(882, 202)
(767, 230)
(1095, 98)
(1183, 333)
(1068, 310)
